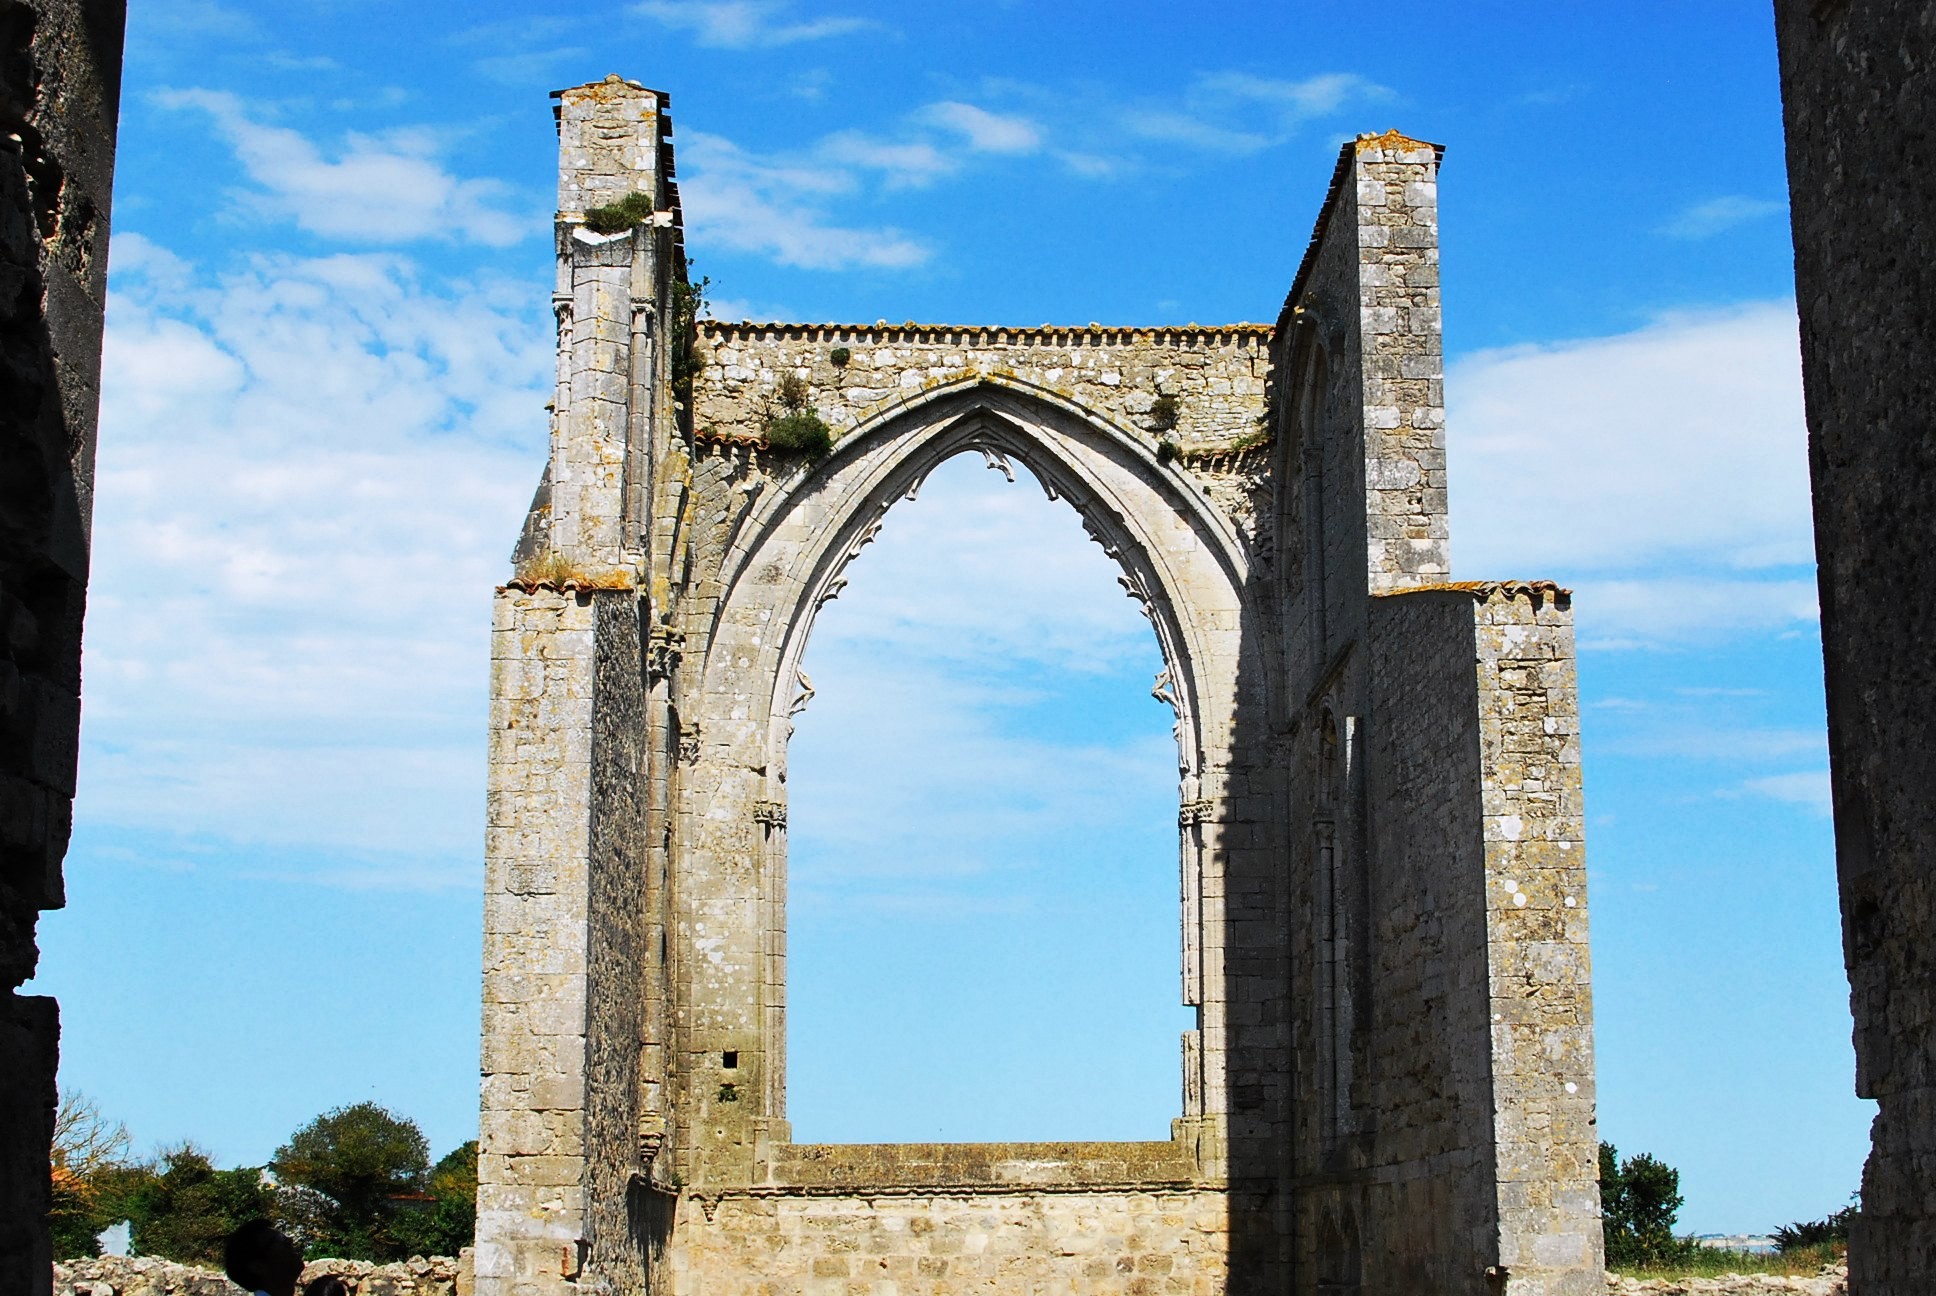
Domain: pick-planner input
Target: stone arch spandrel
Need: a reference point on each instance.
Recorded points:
(1180, 559)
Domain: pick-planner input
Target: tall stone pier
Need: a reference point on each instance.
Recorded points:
(1389, 1083)
(1858, 85)
(60, 92)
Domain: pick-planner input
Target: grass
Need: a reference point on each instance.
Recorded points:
(554, 569)
(1712, 1262)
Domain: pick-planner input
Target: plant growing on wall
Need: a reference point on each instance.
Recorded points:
(1163, 413)
(793, 427)
(688, 304)
(633, 209)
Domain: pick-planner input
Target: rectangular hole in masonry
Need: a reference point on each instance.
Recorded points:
(730, 1059)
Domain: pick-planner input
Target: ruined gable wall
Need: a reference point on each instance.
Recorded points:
(1859, 102)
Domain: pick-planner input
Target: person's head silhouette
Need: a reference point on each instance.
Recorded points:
(260, 1259)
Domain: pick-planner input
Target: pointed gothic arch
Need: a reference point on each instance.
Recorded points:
(1178, 559)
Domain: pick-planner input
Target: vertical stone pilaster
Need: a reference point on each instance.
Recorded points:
(531, 1156)
(1545, 1145)
(1402, 361)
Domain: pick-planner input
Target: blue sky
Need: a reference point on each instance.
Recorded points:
(323, 415)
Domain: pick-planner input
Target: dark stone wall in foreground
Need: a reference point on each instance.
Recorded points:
(60, 81)
(1860, 105)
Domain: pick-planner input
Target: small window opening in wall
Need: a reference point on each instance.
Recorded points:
(730, 1059)
(982, 851)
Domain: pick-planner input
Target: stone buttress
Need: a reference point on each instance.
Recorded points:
(1389, 1084)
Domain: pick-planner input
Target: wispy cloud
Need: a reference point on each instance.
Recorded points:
(317, 463)
(1681, 440)
(1240, 113)
(738, 201)
(1808, 788)
(985, 131)
(1719, 215)
(1662, 472)
(386, 189)
(745, 24)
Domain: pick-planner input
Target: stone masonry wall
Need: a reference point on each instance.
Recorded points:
(1545, 1142)
(1429, 1214)
(1215, 375)
(60, 84)
(531, 1191)
(939, 1243)
(1858, 82)
(1481, 1071)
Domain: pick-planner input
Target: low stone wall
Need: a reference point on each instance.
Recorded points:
(937, 1243)
(147, 1276)
(1832, 1281)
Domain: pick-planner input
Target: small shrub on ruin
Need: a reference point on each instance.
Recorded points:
(1163, 413)
(801, 432)
(633, 209)
(840, 356)
(1166, 450)
(793, 393)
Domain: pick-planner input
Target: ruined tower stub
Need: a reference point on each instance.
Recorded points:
(1389, 1084)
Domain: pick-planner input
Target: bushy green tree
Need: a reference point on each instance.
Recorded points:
(1640, 1198)
(183, 1207)
(344, 1174)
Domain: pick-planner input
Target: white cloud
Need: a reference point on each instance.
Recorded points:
(1239, 113)
(1662, 473)
(1295, 101)
(986, 132)
(1718, 215)
(745, 24)
(743, 203)
(1679, 442)
(1664, 609)
(380, 190)
(1808, 788)
(909, 164)
(311, 472)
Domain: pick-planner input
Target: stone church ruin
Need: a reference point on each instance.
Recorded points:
(1390, 1083)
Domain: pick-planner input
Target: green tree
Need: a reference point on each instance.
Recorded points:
(1640, 1198)
(184, 1208)
(344, 1173)
(448, 1222)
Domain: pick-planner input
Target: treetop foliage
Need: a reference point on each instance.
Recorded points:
(355, 1183)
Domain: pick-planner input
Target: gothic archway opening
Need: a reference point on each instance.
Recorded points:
(982, 861)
